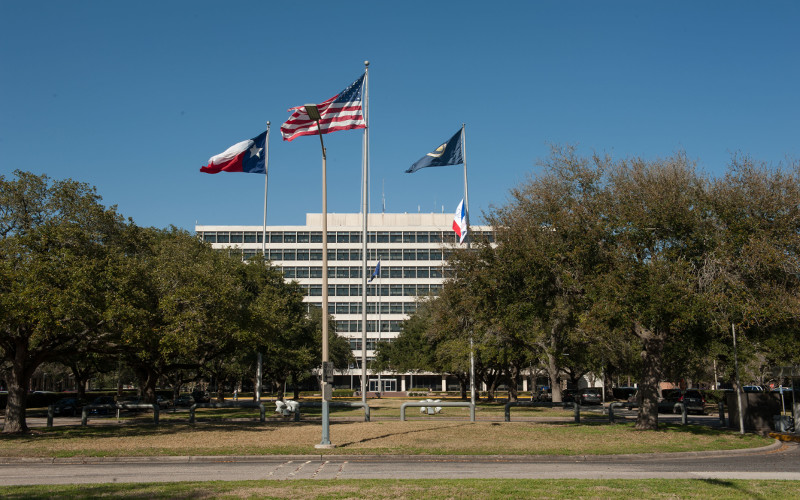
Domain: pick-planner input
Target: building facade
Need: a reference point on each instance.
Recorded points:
(412, 249)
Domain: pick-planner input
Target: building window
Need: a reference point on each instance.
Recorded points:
(315, 272)
(275, 255)
(276, 237)
(422, 237)
(409, 237)
(316, 237)
(236, 237)
(383, 237)
(290, 237)
(423, 272)
(210, 237)
(289, 272)
(223, 238)
(409, 255)
(303, 237)
(252, 238)
(302, 272)
(288, 255)
(410, 272)
(303, 254)
(355, 237)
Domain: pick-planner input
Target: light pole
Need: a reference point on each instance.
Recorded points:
(313, 114)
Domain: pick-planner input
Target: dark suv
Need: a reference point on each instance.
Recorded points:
(693, 399)
(201, 396)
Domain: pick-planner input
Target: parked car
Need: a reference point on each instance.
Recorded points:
(753, 388)
(163, 402)
(589, 396)
(184, 400)
(103, 400)
(568, 395)
(693, 399)
(67, 407)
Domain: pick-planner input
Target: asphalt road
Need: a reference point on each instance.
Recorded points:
(780, 461)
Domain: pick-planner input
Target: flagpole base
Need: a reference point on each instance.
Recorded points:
(321, 446)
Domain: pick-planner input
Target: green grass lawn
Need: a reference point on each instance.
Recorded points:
(431, 489)
(417, 437)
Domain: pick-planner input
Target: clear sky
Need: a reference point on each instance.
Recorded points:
(134, 97)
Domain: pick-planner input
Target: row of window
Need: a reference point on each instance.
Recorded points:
(382, 254)
(372, 343)
(406, 290)
(291, 272)
(354, 326)
(336, 236)
(406, 308)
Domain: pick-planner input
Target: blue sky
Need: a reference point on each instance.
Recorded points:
(134, 97)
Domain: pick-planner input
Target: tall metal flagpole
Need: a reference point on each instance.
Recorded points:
(364, 255)
(260, 357)
(469, 237)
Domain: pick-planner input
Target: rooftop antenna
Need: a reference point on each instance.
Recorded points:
(383, 195)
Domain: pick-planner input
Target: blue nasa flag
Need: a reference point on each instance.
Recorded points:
(375, 273)
(448, 153)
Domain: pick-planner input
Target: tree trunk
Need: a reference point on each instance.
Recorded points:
(513, 379)
(552, 375)
(652, 352)
(18, 379)
(464, 384)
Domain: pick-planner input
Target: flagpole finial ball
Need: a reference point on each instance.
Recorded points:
(366, 63)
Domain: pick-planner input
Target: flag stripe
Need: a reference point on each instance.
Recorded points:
(341, 112)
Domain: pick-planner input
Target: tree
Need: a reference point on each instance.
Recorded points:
(185, 305)
(548, 249)
(58, 246)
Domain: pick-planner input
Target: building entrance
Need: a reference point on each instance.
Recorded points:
(389, 385)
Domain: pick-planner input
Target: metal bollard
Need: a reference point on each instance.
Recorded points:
(50, 413)
(721, 407)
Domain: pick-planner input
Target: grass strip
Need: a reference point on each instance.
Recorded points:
(367, 438)
(430, 489)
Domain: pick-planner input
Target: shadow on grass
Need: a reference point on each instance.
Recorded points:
(403, 433)
(733, 486)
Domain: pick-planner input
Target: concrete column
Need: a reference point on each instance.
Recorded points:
(403, 383)
(525, 384)
(444, 383)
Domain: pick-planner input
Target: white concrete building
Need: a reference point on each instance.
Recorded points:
(412, 249)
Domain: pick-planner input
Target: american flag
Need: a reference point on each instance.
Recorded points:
(341, 112)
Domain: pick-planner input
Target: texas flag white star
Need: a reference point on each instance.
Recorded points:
(255, 151)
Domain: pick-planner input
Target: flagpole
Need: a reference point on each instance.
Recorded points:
(364, 255)
(259, 356)
(469, 237)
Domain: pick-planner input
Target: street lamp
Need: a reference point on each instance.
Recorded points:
(313, 114)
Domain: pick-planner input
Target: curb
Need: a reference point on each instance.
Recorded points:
(171, 459)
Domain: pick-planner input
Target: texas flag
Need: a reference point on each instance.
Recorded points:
(460, 222)
(246, 156)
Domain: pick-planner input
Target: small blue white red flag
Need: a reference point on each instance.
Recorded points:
(375, 273)
(341, 112)
(460, 222)
(246, 156)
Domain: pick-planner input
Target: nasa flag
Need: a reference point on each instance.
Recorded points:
(448, 153)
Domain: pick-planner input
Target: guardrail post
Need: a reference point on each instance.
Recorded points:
(403, 412)
(263, 411)
(577, 409)
(611, 413)
(684, 414)
(507, 410)
(155, 413)
(721, 407)
(51, 411)
(84, 416)
(191, 413)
